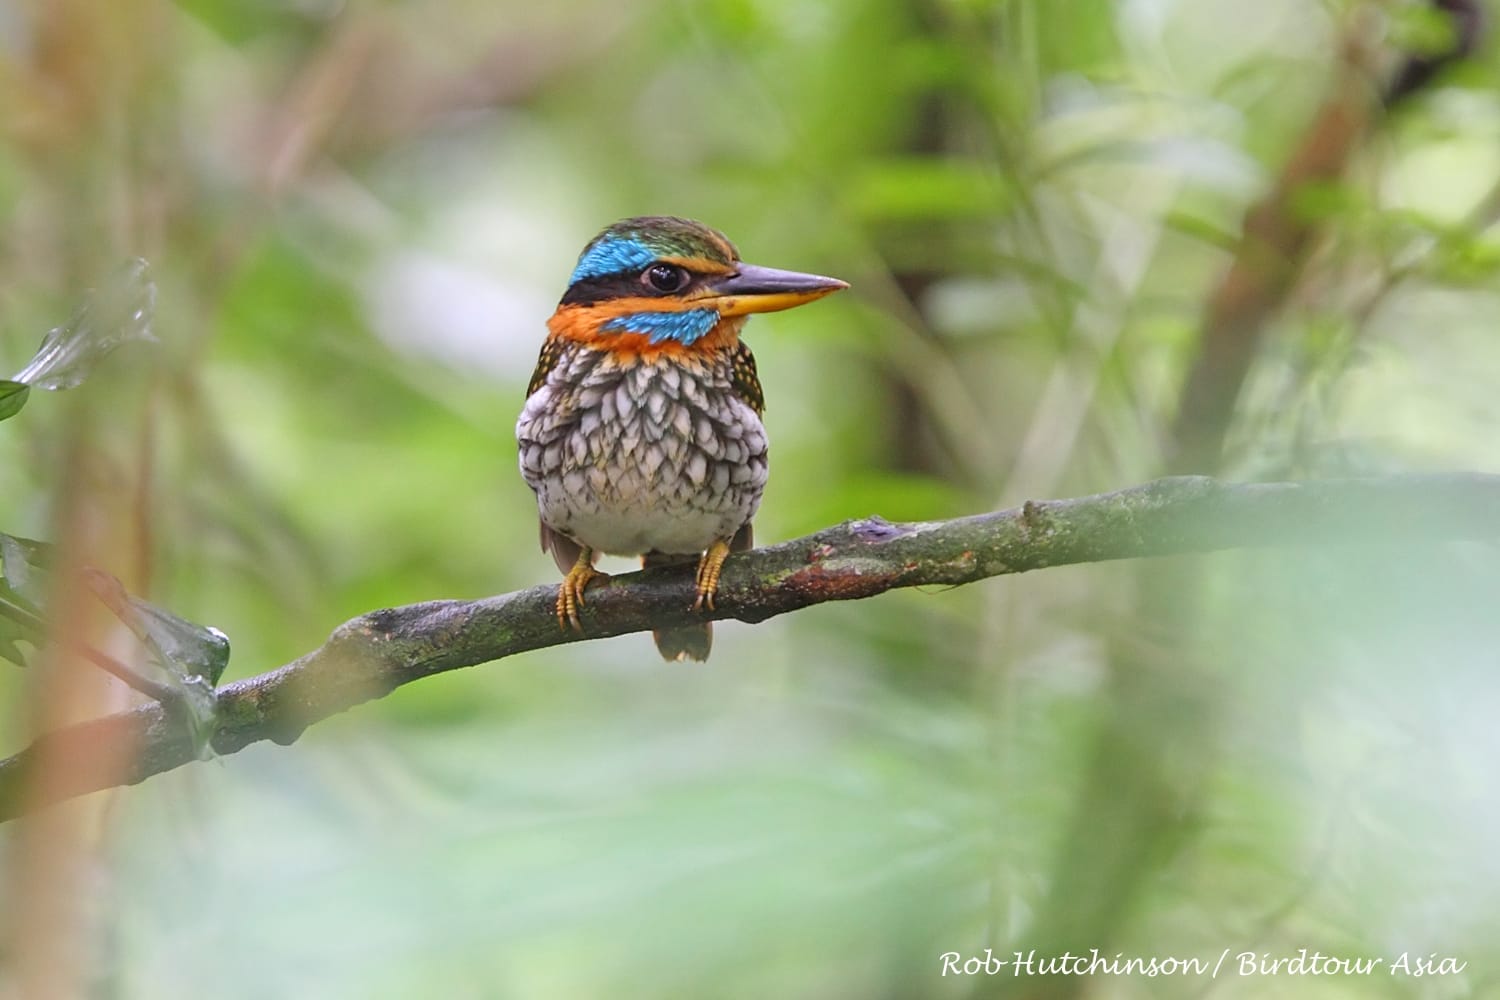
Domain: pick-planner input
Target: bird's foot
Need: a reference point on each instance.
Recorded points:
(570, 594)
(709, 567)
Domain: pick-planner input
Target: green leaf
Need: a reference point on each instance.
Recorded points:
(119, 311)
(12, 397)
(12, 632)
(184, 649)
(17, 625)
(20, 589)
(1319, 201)
(187, 649)
(1423, 31)
(20, 558)
(927, 187)
(193, 656)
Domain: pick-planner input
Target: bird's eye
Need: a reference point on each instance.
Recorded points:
(665, 277)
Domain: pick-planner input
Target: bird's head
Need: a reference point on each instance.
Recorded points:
(667, 284)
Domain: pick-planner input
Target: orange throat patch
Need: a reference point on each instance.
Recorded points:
(586, 324)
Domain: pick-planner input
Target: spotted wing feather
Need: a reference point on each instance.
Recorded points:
(745, 381)
(552, 352)
(564, 550)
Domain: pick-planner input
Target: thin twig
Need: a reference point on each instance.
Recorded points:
(167, 695)
(36, 626)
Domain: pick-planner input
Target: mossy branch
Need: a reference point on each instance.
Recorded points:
(372, 655)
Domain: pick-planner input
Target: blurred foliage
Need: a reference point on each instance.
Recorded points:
(193, 656)
(116, 314)
(359, 216)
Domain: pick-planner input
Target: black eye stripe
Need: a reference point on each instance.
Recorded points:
(603, 288)
(623, 284)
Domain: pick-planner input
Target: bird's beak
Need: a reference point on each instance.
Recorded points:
(753, 289)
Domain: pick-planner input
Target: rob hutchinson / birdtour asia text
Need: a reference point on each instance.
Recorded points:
(1227, 963)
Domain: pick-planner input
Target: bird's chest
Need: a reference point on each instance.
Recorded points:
(630, 456)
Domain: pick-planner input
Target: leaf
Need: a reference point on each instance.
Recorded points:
(184, 649)
(1423, 31)
(188, 652)
(182, 646)
(926, 187)
(20, 589)
(19, 558)
(193, 656)
(119, 311)
(12, 397)
(14, 627)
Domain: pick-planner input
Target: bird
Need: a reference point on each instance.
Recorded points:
(641, 432)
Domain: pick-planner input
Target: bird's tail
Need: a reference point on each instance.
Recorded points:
(690, 642)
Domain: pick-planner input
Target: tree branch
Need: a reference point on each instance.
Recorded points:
(372, 655)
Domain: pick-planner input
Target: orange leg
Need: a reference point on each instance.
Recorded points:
(709, 568)
(570, 594)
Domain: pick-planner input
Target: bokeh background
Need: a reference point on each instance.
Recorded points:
(359, 216)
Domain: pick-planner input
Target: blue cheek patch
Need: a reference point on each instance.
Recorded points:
(612, 256)
(684, 327)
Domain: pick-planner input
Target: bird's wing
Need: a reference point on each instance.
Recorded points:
(564, 550)
(552, 351)
(745, 380)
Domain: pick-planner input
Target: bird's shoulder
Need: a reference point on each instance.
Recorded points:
(551, 354)
(744, 379)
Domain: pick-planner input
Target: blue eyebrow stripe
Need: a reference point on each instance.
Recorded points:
(684, 327)
(612, 256)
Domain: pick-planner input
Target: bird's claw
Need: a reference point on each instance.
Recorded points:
(570, 594)
(707, 580)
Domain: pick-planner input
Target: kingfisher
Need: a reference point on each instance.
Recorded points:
(641, 434)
